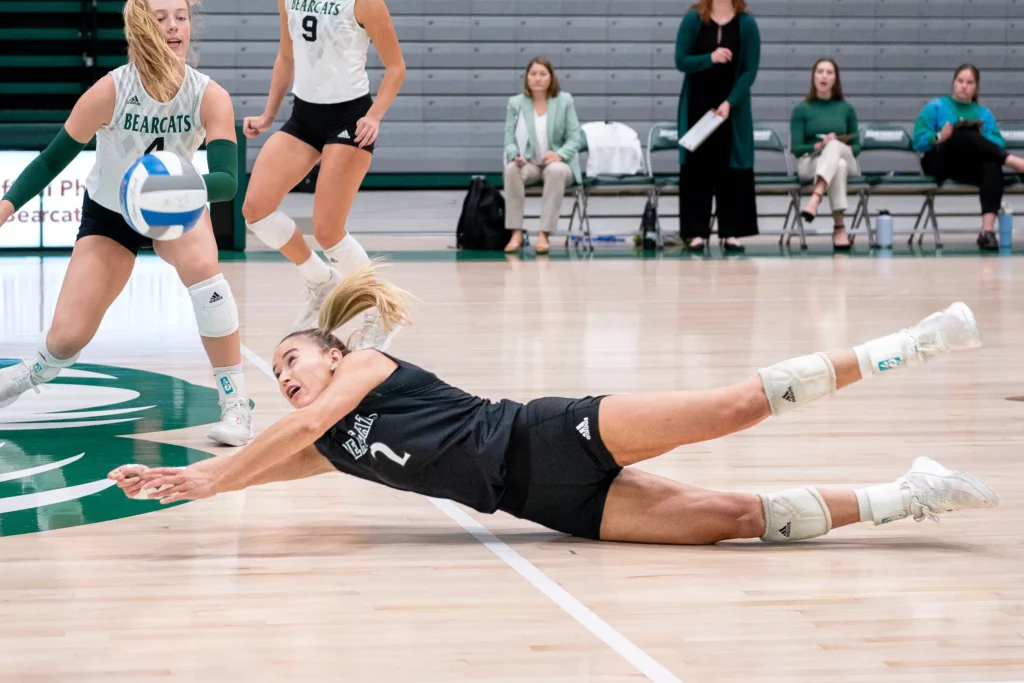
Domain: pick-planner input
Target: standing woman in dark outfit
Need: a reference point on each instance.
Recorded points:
(718, 47)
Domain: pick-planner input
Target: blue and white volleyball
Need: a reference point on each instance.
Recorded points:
(162, 196)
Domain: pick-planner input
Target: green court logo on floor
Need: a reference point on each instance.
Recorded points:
(57, 446)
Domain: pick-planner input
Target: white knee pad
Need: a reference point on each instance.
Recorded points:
(348, 255)
(46, 366)
(797, 381)
(275, 230)
(795, 515)
(216, 311)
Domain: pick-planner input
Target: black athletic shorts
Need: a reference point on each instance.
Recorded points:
(328, 124)
(558, 470)
(99, 220)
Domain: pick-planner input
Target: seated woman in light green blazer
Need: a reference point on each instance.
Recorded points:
(542, 142)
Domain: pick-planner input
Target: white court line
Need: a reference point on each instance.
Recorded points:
(640, 660)
(263, 365)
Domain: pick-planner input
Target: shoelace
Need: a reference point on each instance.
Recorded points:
(923, 508)
(235, 409)
(32, 383)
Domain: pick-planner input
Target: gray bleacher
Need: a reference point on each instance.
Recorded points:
(465, 57)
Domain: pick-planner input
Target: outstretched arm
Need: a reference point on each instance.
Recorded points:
(93, 110)
(358, 374)
(305, 463)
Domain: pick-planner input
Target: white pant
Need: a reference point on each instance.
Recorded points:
(556, 176)
(835, 163)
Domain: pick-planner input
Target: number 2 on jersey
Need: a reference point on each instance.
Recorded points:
(309, 28)
(158, 145)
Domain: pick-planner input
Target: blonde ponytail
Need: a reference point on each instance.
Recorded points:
(361, 291)
(159, 68)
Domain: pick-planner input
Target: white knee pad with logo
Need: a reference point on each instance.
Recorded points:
(275, 230)
(794, 515)
(797, 381)
(214, 304)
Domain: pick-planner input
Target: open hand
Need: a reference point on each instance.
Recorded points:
(129, 479)
(171, 484)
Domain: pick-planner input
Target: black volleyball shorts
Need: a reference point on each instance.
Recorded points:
(558, 471)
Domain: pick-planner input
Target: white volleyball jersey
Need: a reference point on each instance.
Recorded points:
(329, 48)
(141, 125)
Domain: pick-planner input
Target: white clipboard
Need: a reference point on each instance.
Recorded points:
(701, 130)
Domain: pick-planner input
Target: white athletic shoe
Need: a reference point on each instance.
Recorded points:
(15, 380)
(235, 426)
(934, 490)
(315, 296)
(952, 329)
(372, 334)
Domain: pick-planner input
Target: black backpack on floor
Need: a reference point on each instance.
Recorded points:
(482, 223)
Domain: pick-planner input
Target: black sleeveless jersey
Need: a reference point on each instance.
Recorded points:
(417, 433)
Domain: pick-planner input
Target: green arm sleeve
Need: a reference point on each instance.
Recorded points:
(222, 180)
(44, 168)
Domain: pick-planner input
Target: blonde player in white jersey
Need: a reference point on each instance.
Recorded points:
(155, 102)
(334, 121)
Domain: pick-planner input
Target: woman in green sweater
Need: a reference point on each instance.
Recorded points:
(960, 141)
(823, 135)
(718, 47)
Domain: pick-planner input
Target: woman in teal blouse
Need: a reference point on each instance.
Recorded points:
(823, 135)
(718, 47)
(960, 141)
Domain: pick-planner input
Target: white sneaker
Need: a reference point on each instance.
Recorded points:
(934, 490)
(372, 334)
(235, 426)
(15, 380)
(315, 295)
(952, 329)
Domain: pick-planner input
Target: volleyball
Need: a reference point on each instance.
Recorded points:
(162, 196)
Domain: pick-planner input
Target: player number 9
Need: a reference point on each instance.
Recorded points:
(309, 28)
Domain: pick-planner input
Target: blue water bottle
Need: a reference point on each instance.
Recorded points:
(883, 229)
(1006, 228)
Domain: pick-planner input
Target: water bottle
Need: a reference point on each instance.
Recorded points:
(883, 229)
(1006, 227)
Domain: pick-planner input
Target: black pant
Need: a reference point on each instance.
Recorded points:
(735, 201)
(969, 157)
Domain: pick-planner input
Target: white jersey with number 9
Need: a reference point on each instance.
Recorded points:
(329, 48)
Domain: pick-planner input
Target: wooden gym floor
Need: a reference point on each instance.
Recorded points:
(335, 579)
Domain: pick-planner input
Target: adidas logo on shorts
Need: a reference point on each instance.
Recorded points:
(134, 100)
(584, 428)
(215, 298)
(344, 135)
